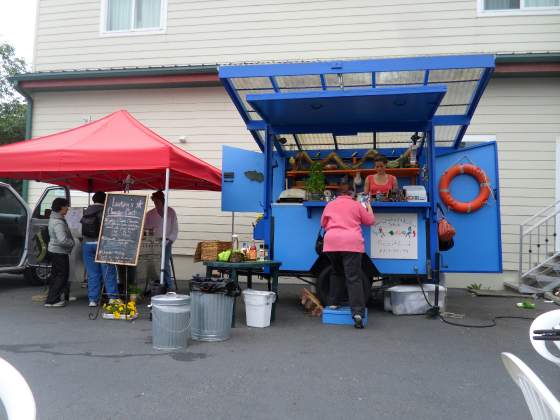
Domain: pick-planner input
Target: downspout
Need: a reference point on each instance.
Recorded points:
(28, 131)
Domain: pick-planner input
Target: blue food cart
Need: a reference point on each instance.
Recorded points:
(343, 113)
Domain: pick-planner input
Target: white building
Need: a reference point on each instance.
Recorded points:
(158, 59)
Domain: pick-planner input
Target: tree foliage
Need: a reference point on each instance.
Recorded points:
(12, 106)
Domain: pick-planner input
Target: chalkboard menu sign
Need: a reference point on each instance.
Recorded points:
(121, 229)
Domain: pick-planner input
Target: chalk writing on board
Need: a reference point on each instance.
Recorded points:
(122, 229)
(395, 236)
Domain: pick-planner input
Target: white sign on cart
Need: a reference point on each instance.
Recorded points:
(395, 236)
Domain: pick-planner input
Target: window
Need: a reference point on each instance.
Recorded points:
(126, 16)
(518, 6)
(43, 209)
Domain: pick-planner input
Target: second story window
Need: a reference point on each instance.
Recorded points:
(122, 16)
(519, 6)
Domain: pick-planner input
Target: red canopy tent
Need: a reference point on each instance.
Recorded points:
(103, 154)
(113, 153)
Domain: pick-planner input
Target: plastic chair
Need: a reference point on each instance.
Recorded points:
(542, 403)
(547, 321)
(15, 394)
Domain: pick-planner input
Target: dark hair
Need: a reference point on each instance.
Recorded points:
(344, 187)
(58, 203)
(99, 197)
(158, 195)
(380, 158)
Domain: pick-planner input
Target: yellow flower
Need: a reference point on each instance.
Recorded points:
(117, 315)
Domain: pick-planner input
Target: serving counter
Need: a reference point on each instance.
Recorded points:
(396, 243)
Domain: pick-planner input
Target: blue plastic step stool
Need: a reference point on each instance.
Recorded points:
(340, 316)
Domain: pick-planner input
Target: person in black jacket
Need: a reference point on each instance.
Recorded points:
(91, 225)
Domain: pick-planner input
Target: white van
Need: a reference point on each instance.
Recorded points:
(21, 249)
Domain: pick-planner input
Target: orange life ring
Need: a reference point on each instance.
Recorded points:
(461, 206)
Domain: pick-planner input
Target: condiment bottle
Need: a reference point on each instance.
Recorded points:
(253, 252)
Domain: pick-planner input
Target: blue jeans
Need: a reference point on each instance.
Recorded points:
(96, 272)
(167, 267)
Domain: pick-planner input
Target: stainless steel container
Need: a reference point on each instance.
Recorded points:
(211, 316)
(171, 321)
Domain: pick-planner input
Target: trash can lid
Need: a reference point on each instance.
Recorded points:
(171, 299)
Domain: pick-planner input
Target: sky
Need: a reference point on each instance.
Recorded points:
(17, 26)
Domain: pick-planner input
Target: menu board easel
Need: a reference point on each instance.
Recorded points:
(121, 230)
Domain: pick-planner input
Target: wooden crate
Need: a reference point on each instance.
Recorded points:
(209, 250)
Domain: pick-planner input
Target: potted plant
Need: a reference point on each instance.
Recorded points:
(315, 183)
(134, 293)
(118, 310)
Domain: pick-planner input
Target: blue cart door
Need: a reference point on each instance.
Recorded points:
(242, 180)
(478, 240)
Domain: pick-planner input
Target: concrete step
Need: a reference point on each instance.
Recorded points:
(521, 288)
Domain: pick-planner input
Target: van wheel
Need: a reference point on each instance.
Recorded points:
(38, 276)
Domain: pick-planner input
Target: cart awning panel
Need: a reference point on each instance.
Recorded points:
(347, 112)
(347, 84)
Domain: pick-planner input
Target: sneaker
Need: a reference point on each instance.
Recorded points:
(92, 304)
(59, 304)
(358, 322)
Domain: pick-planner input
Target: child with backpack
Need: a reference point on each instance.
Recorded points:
(91, 225)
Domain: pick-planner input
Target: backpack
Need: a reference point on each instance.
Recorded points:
(91, 222)
(42, 239)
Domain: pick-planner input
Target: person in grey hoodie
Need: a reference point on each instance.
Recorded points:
(60, 247)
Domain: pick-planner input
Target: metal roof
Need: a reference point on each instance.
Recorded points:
(270, 89)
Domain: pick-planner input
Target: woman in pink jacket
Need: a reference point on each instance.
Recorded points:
(344, 245)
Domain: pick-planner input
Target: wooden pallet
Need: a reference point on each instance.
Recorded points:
(311, 303)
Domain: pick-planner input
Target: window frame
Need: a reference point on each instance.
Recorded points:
(522, 11)
(162, 29)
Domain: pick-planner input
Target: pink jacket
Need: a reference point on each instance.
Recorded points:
(342, 220)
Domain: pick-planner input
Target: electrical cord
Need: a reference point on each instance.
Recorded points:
(434, 311)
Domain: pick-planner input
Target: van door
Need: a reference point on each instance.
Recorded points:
(40, 218)
(478, 245)
(14, 222)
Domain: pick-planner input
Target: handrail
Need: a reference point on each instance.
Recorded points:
(556, 203)
(538, 250)
(532, 228)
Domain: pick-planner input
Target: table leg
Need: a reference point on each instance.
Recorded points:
(274, 274)
(250, 279)
(236, 282)
(208, 272)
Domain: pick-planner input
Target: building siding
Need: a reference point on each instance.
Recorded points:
(205, 116)
(212, 31)
(521, 112)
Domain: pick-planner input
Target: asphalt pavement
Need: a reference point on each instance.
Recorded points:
(396, 368)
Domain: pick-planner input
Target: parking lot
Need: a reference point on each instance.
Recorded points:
(397, 368)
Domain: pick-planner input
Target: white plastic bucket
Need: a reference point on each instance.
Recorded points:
(258, 307)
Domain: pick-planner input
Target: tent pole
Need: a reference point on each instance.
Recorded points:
(164, 233)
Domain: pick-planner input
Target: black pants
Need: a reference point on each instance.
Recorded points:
(347, 272)
(59, 280)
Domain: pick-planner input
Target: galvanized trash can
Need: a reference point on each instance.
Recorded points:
(171, 321)
(212, 309)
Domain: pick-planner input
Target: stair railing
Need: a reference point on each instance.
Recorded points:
(537, 240)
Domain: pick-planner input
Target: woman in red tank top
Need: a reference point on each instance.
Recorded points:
(380, 182)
